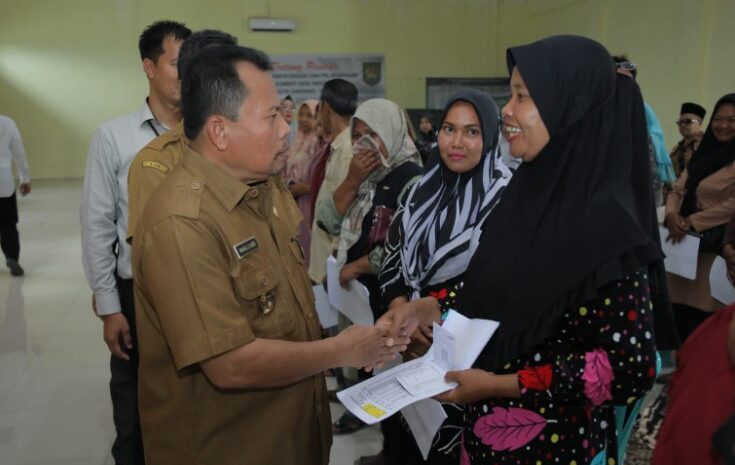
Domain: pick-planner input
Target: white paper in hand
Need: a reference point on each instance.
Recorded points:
(383, 395)
(681, 258)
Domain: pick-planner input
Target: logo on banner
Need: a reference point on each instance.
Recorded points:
(371, 73)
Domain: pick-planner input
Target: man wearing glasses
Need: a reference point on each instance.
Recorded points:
(690, 128)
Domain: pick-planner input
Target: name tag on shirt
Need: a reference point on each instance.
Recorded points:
(245, 247)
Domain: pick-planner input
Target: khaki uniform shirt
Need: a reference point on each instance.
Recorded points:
(149, 167)
(217, 264)
(322, 244)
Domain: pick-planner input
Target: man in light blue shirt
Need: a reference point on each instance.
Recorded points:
(104, 214)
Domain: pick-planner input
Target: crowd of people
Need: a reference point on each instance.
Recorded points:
(209, 214)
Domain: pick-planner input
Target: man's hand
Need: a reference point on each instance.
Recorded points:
(368, 346)
(116, 328)
(25, 188)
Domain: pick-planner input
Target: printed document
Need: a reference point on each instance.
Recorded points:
(457, 344)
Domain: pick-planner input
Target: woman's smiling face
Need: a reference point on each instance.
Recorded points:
(523, 127)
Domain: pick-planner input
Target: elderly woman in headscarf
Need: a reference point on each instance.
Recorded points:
(300, 159)
(437, 227)
(568, 264)
(384, 164)
(703, 201)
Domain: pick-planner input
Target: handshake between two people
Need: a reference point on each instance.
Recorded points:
(405, 327)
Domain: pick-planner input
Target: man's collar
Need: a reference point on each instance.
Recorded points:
(145, 114)
(228, 190)
(341, 139)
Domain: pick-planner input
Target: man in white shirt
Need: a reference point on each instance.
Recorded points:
(11, 152)
(104, 217)
(337, 104)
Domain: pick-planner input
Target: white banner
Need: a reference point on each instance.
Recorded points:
(301, 76)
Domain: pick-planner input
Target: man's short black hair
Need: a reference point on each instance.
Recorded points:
(341, 95)
(151, 40)
(212, 86)
(200, 40)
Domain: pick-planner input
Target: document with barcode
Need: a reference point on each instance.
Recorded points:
(457, 344)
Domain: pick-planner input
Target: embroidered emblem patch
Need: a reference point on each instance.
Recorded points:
(155, 165)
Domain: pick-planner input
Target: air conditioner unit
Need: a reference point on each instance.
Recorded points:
(271, 25)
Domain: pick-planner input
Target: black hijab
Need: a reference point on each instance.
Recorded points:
(446, 210)
(710, 157)
(579, 216)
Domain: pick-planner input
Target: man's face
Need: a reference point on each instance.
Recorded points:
(257, 141)
(163, 75)
(689, 125)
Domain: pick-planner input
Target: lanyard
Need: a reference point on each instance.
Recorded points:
(153, 128)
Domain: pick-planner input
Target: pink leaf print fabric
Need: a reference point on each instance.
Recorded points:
(598, 376)
(509, 429)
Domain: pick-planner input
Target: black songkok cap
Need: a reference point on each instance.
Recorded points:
(693, 108)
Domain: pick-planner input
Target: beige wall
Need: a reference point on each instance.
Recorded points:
(67, 65)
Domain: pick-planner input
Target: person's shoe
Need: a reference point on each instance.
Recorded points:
(15, 268)
(347, 424)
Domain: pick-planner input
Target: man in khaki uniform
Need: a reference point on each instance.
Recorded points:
(231, 358)
(156, 159)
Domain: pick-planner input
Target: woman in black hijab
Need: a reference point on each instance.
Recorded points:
(564, 264)
(436, 230)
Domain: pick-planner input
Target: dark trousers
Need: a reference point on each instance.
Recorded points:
(688, 319)
(9, 240)
(128, 446)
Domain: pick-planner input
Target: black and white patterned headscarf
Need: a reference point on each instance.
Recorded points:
(444, 211)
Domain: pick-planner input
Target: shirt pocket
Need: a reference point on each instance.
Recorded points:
(267, 310)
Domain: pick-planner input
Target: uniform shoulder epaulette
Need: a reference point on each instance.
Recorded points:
(183, 194)
(163, 140)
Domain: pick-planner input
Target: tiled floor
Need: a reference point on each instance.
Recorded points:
(54, 401)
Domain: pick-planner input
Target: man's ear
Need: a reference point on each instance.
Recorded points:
(149, 68)
(216, 131)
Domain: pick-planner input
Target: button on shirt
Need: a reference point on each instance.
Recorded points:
(11, 151)
(217, 265)
(104, 205)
